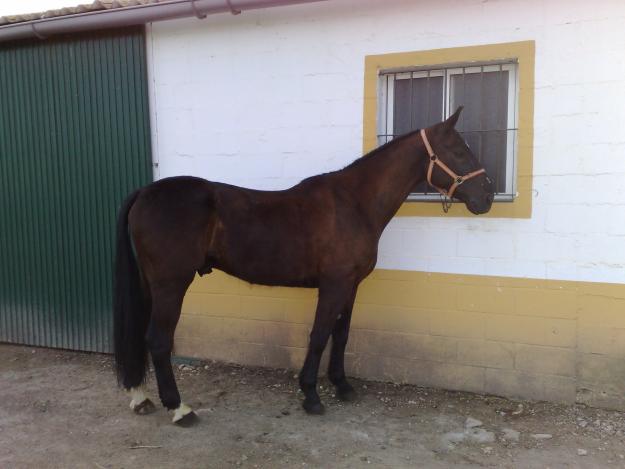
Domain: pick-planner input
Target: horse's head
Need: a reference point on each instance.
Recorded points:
(453, 168)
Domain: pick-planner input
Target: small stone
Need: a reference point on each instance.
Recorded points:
(479, 435)
(581, 452)
(487, 449)
(472, 423)
(453, 437)
(510, 434)
(582, 423)
(542, 436)
(206, 367)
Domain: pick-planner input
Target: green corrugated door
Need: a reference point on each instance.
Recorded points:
(74, 141)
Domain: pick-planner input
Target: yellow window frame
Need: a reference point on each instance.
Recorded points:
(523, 52)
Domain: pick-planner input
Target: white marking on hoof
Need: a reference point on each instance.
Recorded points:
(181, 411)
(138, 396)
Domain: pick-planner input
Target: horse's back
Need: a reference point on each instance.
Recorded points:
(269, 237)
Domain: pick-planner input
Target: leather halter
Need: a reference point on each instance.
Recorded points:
(435, 160)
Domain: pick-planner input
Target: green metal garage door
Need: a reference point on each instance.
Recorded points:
(74, 141)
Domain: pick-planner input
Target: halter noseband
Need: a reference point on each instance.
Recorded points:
(434, 160)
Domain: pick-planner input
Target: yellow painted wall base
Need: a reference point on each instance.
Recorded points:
(537, 339)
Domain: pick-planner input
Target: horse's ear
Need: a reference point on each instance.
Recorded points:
(450, 123)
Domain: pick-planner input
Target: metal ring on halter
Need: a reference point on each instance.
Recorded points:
(233, 10)
(445, 202)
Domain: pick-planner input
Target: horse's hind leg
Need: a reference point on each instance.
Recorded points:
(166, 303)
(336, 367)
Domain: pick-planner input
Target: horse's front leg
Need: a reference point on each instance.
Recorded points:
(334, 295)
(336, 367)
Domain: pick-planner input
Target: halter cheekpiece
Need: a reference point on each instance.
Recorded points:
(457, 180)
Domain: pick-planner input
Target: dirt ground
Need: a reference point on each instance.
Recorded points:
(63, 409)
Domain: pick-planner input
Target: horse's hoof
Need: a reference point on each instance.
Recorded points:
(314, 408)
(144, 408)
(346, 392)
(188, 420)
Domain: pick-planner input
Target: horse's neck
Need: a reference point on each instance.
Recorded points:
(383, 180)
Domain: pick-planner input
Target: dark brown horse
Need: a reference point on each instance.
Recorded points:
(322, 233)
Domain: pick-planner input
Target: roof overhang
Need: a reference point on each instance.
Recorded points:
(133, 14)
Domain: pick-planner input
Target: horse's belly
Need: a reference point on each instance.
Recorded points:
(284, 269)
(271, 278)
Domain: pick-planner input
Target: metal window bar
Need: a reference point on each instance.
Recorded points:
(505, 185)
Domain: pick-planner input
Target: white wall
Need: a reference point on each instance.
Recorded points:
(267, 98)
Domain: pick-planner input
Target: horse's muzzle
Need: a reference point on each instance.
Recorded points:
(479, 206)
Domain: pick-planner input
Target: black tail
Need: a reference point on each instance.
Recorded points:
(130, 308)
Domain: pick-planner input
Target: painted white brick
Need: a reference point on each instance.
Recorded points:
(593, 248)
(475, 265)
(521, 268)
(486, 245)
(545, 247)
(402, 262)
(561, 270)
(392, 242)
(608, 271)
(579, 219)
(586, 189)
(590, 158)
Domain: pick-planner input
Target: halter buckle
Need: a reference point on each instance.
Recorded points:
(433, 157)
(459, 180)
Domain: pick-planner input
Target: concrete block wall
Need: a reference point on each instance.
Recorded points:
(558, 341)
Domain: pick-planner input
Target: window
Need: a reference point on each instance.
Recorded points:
(417, 97)
(457, 76)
